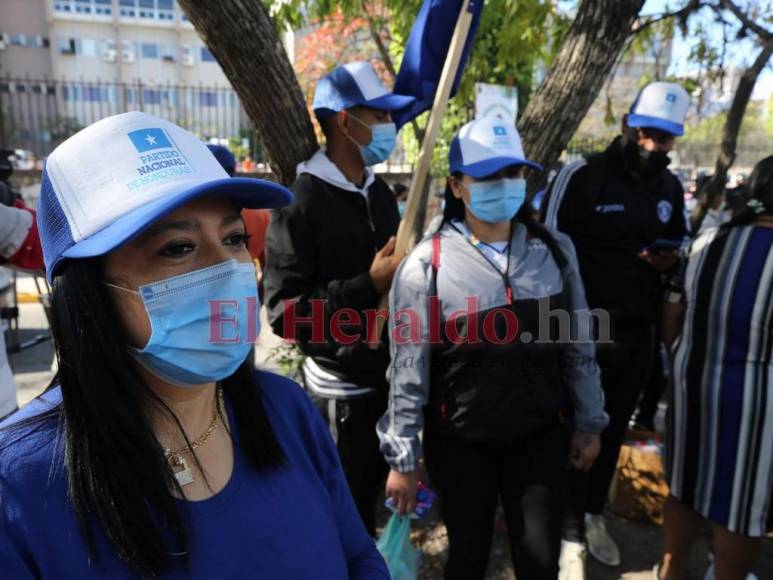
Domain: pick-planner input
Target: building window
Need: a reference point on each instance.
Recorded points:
(99, 7)
(149, 50)
(208, 99)
(67, 45)
(83, 7)
(168, 52)
(165, 10)
(88, 47)
(103, 7)
(149, 9)
(127, 8)
(18, 40)
(206, 55)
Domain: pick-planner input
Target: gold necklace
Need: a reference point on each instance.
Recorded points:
(182, 472)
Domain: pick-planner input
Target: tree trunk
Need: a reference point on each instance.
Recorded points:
(716, 185)
(242, 37)
(583, 62)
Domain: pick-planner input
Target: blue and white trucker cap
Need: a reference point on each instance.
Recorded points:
(111, 180)
(485, 146)
(354, 85)
(660, 106)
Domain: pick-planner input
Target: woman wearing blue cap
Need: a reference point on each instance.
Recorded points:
(157, 451)
(495, 368)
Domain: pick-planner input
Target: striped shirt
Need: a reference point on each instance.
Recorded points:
(720, 445)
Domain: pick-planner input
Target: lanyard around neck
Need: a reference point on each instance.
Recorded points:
(473, 240)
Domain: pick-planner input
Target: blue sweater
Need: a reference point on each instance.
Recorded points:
(298, 523)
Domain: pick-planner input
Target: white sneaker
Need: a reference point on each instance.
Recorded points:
(572, 561)
(600, 544)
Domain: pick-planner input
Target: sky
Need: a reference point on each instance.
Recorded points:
(742, 53)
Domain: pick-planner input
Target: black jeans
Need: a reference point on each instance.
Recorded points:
(352, 423)
(527, 475)
(625, 367)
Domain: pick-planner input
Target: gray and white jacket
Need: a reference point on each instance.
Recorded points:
(464, 272)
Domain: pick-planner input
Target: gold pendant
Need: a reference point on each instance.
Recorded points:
(184, 476)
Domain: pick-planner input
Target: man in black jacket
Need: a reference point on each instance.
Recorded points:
(330, 258)
(615, 205)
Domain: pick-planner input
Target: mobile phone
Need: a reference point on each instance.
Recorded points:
(663, 245)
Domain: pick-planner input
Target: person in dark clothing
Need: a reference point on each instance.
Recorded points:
(330, 254)
(653, 389)
(614, 205)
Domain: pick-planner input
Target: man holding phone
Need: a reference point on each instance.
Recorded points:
(624, 211)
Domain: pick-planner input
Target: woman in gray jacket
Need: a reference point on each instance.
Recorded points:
(493, 358)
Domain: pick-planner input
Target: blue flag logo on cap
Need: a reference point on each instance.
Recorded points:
(671, 98)
(500, 131)
(149, 139)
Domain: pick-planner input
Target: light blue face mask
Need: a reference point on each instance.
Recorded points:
(382, 143)
(203, 323)
(497, 200)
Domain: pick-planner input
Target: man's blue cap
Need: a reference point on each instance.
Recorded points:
(661, 106)
(355, 85)
(224, 157)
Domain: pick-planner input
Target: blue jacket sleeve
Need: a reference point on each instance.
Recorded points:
(364, 560)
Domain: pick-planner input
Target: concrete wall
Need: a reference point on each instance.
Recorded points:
(27, 17)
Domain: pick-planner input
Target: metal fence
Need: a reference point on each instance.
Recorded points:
(38, 114)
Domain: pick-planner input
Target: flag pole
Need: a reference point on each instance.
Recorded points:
(421, 173)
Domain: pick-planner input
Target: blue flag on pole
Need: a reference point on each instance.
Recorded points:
(425, 54)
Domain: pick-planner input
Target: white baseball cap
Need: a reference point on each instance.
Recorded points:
(355, 84)
(660, 106)
(485, 146)
(111, 180)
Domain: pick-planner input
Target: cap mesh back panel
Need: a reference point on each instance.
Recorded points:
(55, 236)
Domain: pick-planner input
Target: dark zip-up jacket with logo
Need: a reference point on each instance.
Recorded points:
(320, 247)
(611, 214)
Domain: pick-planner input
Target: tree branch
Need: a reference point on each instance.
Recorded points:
(730, 132)
(746, 21)
(691, 7)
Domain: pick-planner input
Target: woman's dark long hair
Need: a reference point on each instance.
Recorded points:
(454, 210)
(117, 475)
(760, 194)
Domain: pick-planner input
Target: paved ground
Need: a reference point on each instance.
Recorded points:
(641, 544)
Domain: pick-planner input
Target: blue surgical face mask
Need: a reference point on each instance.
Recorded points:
(497, 200)
(382, 143)
(203, 323)
(401, 207)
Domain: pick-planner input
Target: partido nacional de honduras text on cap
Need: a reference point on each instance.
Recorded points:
(660, 106)
(485, 146)
(111, 180)
(355, 85)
